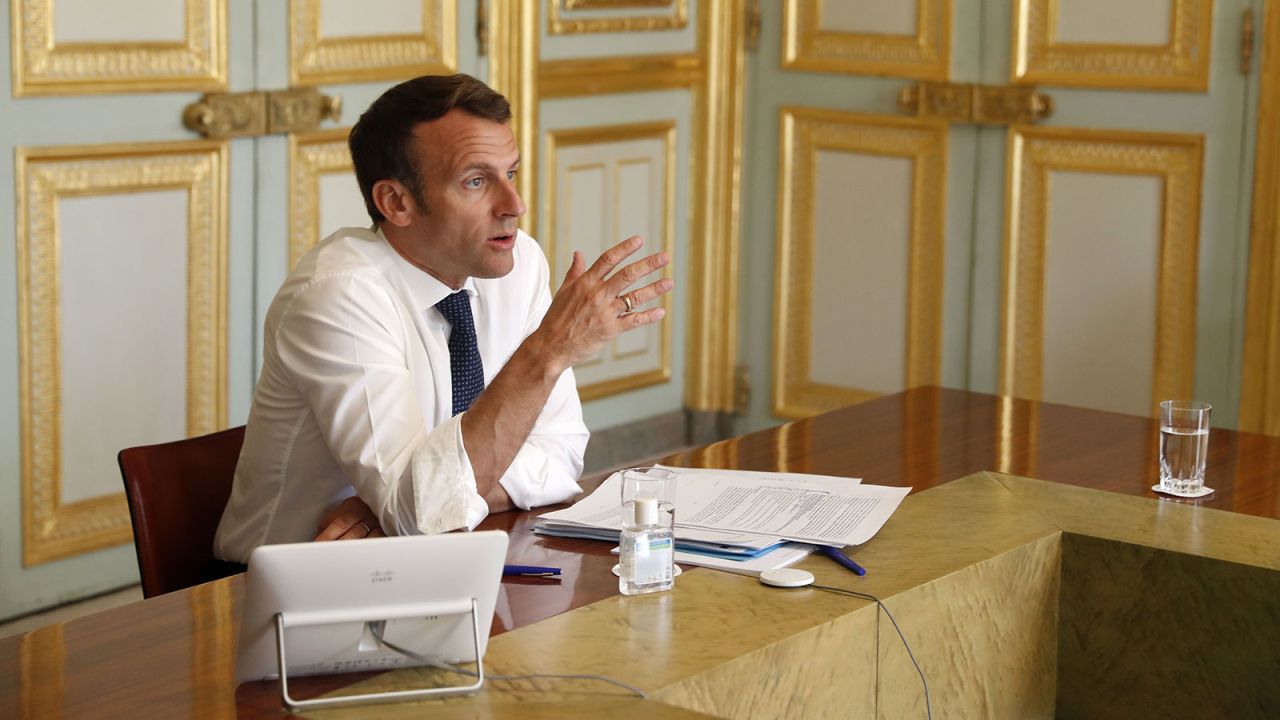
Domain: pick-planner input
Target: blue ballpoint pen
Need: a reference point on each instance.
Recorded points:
(840, 557)
(530, 571)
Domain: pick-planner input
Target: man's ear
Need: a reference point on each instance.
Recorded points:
(394, 201)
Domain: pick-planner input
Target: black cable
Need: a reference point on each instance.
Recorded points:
(928, 708)
(376, 630)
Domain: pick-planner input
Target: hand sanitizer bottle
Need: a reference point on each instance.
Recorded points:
(647, 543)
(647, 547)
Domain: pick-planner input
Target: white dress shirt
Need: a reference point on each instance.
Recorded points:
(355, 397)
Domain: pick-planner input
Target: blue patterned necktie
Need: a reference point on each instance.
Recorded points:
(464, 355)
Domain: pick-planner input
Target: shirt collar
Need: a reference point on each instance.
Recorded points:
(425, 289)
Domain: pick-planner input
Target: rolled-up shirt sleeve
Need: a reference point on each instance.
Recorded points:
(547, 467)
(343, 342)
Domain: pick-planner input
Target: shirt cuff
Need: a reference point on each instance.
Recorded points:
(445, 495)
(536, 479)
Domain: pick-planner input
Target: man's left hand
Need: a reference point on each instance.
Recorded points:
(350, 520)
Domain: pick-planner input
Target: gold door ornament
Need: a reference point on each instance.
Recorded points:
(971, 103)
(250, 114)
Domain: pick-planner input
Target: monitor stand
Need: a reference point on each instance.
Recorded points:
(326, 617)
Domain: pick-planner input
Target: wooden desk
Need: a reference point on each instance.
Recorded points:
(174, 655)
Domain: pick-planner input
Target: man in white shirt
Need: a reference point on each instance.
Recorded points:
(416, 376)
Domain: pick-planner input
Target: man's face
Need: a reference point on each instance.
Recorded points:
(468, 227)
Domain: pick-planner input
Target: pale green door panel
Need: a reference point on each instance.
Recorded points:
(83, 120)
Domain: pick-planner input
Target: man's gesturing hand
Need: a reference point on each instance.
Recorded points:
(592, 306)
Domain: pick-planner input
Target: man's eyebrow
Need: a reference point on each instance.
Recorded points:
(486, 166)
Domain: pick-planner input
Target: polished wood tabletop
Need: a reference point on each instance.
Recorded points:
(174, 655)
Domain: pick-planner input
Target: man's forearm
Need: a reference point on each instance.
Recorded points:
(500, 420)
(587, 312)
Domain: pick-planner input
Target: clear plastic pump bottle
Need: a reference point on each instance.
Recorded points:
(647, 543)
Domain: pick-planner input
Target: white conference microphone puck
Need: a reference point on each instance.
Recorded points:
(786, 577)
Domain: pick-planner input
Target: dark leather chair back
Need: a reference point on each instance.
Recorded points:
(177, 491)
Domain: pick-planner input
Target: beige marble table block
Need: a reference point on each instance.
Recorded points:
(1020, 598)
(985, 636)
(1152, 633)
(1155, 522)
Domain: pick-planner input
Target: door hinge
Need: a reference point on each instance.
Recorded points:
(482, 27)
(741, 390)
(755, 21)
(1246, 42)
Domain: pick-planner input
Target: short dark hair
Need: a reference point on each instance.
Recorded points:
(380, 140)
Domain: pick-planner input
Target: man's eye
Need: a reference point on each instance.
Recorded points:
(511, 174)
(474, 182)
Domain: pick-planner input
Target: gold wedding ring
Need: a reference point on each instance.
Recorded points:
(626, 300)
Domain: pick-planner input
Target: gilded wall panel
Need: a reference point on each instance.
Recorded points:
(1034, 155)
(635, 166)
(805, 133)
(426, 44)
(576, 17)
(1090, 57)
(53, 528)
(44, 65)
(311, 157)
(924, 54)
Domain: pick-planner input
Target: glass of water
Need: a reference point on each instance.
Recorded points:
(1184, 444)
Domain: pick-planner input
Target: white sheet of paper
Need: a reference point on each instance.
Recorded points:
(603, 509)
(847, 516)
(755, 507)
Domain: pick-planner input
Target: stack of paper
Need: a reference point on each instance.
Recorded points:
(743, 521)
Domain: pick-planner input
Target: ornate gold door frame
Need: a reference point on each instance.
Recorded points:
(1260, 386)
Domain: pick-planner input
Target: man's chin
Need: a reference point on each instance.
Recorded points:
(495, 270)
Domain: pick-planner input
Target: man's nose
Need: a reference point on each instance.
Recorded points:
(510, 204)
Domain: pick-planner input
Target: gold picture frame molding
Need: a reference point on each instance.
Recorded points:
(316, 60)
(310, 156)
(925, 55)
(802, 133)
(513, 71)
(52, 529)
(665, 131)
(41, 66)
(613, 4)
(580, 77)
(558, 24)
(1181, 64)
(717, 86)
(1033, 153)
